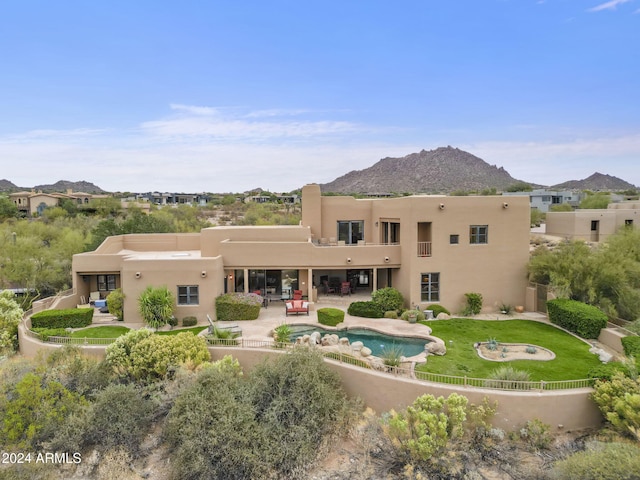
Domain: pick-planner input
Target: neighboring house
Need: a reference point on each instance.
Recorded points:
(593, 225)
(165, 198)
(434, 249)
(33, 203)
(544, 199)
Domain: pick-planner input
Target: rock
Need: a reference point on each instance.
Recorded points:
(605, 357)
(365, 351)
(299, 341)
(305, 339)
(443, 316)
(325, 341)
(357, 346)
(435, 348)
(333, 339)
(343, 341)
(314, 338)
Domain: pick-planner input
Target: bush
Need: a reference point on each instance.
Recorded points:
(631, 346)
(438, 309)
(388, 298)
(507, 377)
(391, 356)
(419, 314)
(577, 317)
(282, 333)
(619, 402)
(391, 314)
(238, 306)
(70, 318)
(156, 306)
(365, 309)
(600, 461)
(536, 433)
(607, 371)
(189, 321)
(330, 316)
(115, 303)
(474, 304)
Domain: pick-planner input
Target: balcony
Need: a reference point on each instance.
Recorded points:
(424, 249)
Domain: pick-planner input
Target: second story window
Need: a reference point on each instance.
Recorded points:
(350, 231)
(478, 234)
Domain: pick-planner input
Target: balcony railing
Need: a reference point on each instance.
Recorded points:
(424, 249)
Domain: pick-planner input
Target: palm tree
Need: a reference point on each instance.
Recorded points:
(156, 306)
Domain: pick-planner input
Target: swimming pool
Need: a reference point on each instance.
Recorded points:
(376, 341)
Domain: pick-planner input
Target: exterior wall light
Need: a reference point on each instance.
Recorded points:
(203, 273)
(138, 275)
(505, 205)
(386, 259)
(442, 206)
(349, 260)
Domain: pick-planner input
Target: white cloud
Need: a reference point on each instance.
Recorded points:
(194, 110)
(610, 5)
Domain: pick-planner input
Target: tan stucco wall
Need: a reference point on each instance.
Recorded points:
(577, 225)
(612, 339)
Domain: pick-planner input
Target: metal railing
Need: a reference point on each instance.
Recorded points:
(341, 357)
(424, 249)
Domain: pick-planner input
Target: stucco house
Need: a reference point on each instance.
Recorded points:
(593, 225)
(434, 249)
(35, 202)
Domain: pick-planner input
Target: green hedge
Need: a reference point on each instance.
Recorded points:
(365, 309)
(577, 317)
(388, 298)
(238, 306)
(330, 316)
(606, 371)
(631, 346)
(189, 321)
(70, 318)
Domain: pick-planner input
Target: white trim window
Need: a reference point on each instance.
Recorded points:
(188, 295)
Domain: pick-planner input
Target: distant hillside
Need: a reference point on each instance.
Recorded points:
(7, 186)
(442, 170)
(597, 181)
(64, 185)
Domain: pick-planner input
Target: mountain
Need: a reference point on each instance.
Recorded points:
(64, 185)
(7, 186)
(443, 170)
(597, 181)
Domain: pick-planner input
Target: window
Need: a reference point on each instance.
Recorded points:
(430, 287)
(628, 223)
(350, 231)
(454, 239)
(188, 295)
(594, 225)
(106, 283)
(478, 234)
(390, 232)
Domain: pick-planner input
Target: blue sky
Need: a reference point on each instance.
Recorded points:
(222, 96)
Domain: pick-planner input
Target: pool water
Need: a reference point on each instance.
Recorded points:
(376, 341)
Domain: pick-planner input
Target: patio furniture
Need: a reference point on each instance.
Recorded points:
(345, 288)
(328, 288)
(297, 294)
(296, 306)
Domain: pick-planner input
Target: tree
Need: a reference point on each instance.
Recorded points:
(115, 302)
(599, 201)
(10, 316)
(8, 209)
(156, 306)
(537, 217)
(561, 207)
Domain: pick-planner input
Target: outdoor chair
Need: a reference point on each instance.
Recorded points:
(345, 288)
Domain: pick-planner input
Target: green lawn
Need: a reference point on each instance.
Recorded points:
(572, 361)
(194, 330)
(100, 332)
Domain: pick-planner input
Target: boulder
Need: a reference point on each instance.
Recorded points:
(333, 339)
(325, 341)
(435, 348)
(343, 341)
(305, 339)
(443, 316)
(365, 351)
(357, 346)
(314, 338)
(605, 357)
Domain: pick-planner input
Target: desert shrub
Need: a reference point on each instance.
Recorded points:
(509, 378)
(388, 298)
(473, 305)
(330, 316)
(600, 461)
(76, 371)
(119, 416)
(531, 350)
(156, 306)
(70, 318)
(10, 316)
(634, 327)
(577, 317)
(619, 402)
(45, 333)
(238, 306)
(536, 433)
(141, 354)
(222, 337)
(391, 314)
(173, 321)
(391, 355)
(631, 346)
(438, 309)
(189, 321)
(35, 410)
(606, 371)
(115, 303)
(424, 429)
(297, 418)
(365, 309)
(419, 314)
